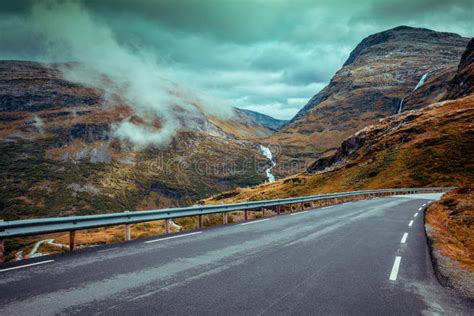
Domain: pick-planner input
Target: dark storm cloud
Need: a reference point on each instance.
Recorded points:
(265, 55)
(409, 8)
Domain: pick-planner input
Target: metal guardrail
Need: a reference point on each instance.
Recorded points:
(30, 227)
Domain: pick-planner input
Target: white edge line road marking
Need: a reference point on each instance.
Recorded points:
(26, 265)
(396, 266)
(410, 223)
(416, 214)
(404, 238)
(292, 214)
(172, 237)
(254, 222)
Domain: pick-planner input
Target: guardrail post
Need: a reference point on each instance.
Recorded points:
(200, 221)
(167, 226)
(72, 240)
(278, 209)
(2, 250)
(127, 232)
(224, 218)
(246, 215)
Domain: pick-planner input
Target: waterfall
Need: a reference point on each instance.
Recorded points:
(400, 106)
(419, 84)
(267, 153)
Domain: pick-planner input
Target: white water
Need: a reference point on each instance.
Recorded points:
(421, 82)
(400, 106)
(176, 227)
(267, 153)
(34, 252)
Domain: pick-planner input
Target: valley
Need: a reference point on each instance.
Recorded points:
(186, 157)
(61, 154)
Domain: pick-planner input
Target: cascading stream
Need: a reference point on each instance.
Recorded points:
(267, 153)
(419, 84)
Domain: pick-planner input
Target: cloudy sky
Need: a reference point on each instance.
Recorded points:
(268, 56)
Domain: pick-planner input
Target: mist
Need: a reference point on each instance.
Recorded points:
(130, 74)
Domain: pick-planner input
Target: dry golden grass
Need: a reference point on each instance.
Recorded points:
(115, 234)
(452, 226)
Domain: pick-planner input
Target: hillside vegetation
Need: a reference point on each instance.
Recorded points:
(59, 154)
(450, 227)
(426, 147)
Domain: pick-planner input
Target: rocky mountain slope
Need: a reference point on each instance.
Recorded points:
(59, 154)
(260, 119)
(386, 73)
(430, 146)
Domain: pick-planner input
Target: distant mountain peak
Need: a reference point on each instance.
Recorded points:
(401, 33)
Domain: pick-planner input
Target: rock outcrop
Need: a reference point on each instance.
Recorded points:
(31, 86)
(463, 83)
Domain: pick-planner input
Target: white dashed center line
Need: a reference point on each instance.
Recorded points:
(292, 214)
(396, 266)
(26, 265)
(416, 214)
(404, 238)
(172, 237)
(420, 209)
(255, 222)
(410, 223)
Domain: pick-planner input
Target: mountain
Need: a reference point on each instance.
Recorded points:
(60, 153)
(378, 79)
(463, 82)
(256, 118)
(425, 147)
(429, 146)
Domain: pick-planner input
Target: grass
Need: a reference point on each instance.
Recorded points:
(452, 219)
(450, 226)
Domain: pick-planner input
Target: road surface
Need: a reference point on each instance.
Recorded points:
(364, 257)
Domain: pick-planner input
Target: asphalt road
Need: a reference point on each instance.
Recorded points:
(337, 260)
